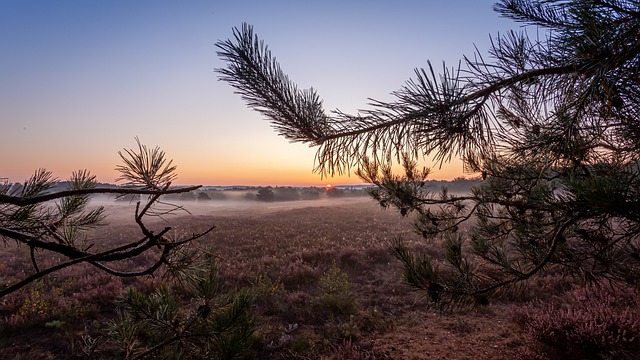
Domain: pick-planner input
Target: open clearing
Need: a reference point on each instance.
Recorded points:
(291, 246)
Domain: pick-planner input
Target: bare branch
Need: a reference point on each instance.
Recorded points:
(25, 201)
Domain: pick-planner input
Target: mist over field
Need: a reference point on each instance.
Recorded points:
(235, 206)
(286, 250)
(321, 271)
(244, 201)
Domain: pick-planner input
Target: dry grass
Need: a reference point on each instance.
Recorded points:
(326, 288)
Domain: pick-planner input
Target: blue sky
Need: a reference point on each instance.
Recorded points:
(80, 79)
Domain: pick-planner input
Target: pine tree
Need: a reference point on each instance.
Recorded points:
(550, 124)
(52, 223)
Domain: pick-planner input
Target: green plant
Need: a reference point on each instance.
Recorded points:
(265, 286)
(55, 324)
(194, 319)
(300, 345)
(334, 281)
(334, 289)
(35, 305)
(350, 329)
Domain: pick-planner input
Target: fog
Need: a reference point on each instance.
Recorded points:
(123, 211)
(242, 202)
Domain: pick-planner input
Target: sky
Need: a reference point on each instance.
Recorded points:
(79, 80)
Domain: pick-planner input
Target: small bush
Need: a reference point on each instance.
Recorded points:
(265, 286)
(190, 317)
(36, 305)
(334, 281)
(298, 274)
(600, 323)
(334, 290)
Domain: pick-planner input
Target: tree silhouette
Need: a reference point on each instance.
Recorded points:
(265, 194)
(549, 123)
(203, 196)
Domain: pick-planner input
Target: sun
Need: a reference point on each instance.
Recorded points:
(329, 186)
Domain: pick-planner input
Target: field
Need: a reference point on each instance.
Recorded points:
(290, 255)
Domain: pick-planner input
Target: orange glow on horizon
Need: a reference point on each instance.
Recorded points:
(288, 176)
(191, 171)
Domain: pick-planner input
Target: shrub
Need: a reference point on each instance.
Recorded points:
(334, 281)
(599, 323)
(191, 319)
(299, 273)
(265, 286)
(37, 304)
(334, 290)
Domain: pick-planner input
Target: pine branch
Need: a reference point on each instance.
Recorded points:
(551, 124)
(447, 117)
(25, 201)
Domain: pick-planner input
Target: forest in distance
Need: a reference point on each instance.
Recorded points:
(458, 185)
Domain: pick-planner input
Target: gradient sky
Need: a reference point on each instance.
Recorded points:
(80, 79)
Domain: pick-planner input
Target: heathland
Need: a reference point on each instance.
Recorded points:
(324, 282)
